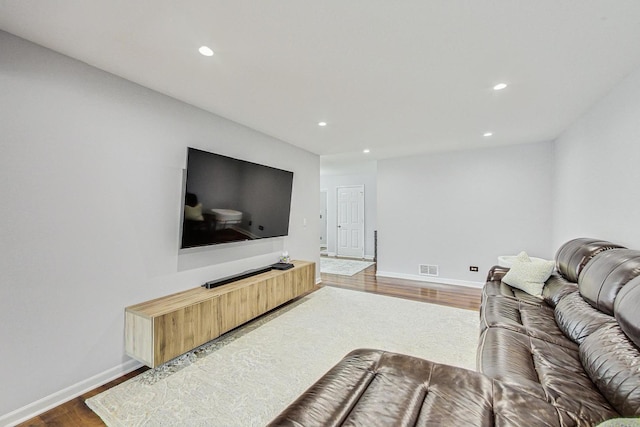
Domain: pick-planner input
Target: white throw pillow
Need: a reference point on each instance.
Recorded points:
(528, 275)
(522, 257)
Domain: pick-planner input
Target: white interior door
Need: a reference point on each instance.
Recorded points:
(323, 220)
(351, 221)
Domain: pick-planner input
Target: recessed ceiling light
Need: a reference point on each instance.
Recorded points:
(488, 134)
(366, 151)
(206, 51)
(500, 86)
(322, 123)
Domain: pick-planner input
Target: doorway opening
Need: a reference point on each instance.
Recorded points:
(324, 230)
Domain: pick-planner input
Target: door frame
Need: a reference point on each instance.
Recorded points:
(361, 204)
(326, 217)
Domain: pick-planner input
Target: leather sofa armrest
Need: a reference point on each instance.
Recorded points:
(496, 273)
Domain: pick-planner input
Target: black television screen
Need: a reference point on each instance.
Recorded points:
(229, 200)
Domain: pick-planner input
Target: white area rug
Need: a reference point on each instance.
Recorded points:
(250, 375)
(343, 267)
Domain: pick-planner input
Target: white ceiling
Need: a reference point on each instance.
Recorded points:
(397, 77)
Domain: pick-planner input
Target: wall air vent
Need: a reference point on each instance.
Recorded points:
(428, 270)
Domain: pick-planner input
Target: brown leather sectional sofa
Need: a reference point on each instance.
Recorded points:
(570, 358)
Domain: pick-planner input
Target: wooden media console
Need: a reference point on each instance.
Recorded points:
(159, 330)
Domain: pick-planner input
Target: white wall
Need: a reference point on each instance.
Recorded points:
(459, 209)
(597, 160)
(92, 169)
(331, 182)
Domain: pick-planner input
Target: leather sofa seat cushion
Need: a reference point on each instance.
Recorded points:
(373, 387)
(627, 310)
(512, 407)
(574, 255)
(577, 319)
(532, 320)
(543, 370)
(602, 279)
(613, 363)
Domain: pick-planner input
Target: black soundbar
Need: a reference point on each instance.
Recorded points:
(229, 279)
(219, 282)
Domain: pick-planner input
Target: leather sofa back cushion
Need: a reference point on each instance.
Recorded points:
(577, 319)
(572, 257)
(556, 288)
(603, 277)
(627, 310)
(612, 362)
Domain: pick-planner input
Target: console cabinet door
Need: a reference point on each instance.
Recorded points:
(238, 307)
(184, 329)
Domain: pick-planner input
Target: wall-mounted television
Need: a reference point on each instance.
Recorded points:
(230, 200)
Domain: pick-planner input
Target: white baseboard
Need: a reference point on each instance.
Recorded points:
(334, 255)
(58, 398)
(431, 279)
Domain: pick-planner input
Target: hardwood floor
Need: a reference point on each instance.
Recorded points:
(453, 296)
(76, 413)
